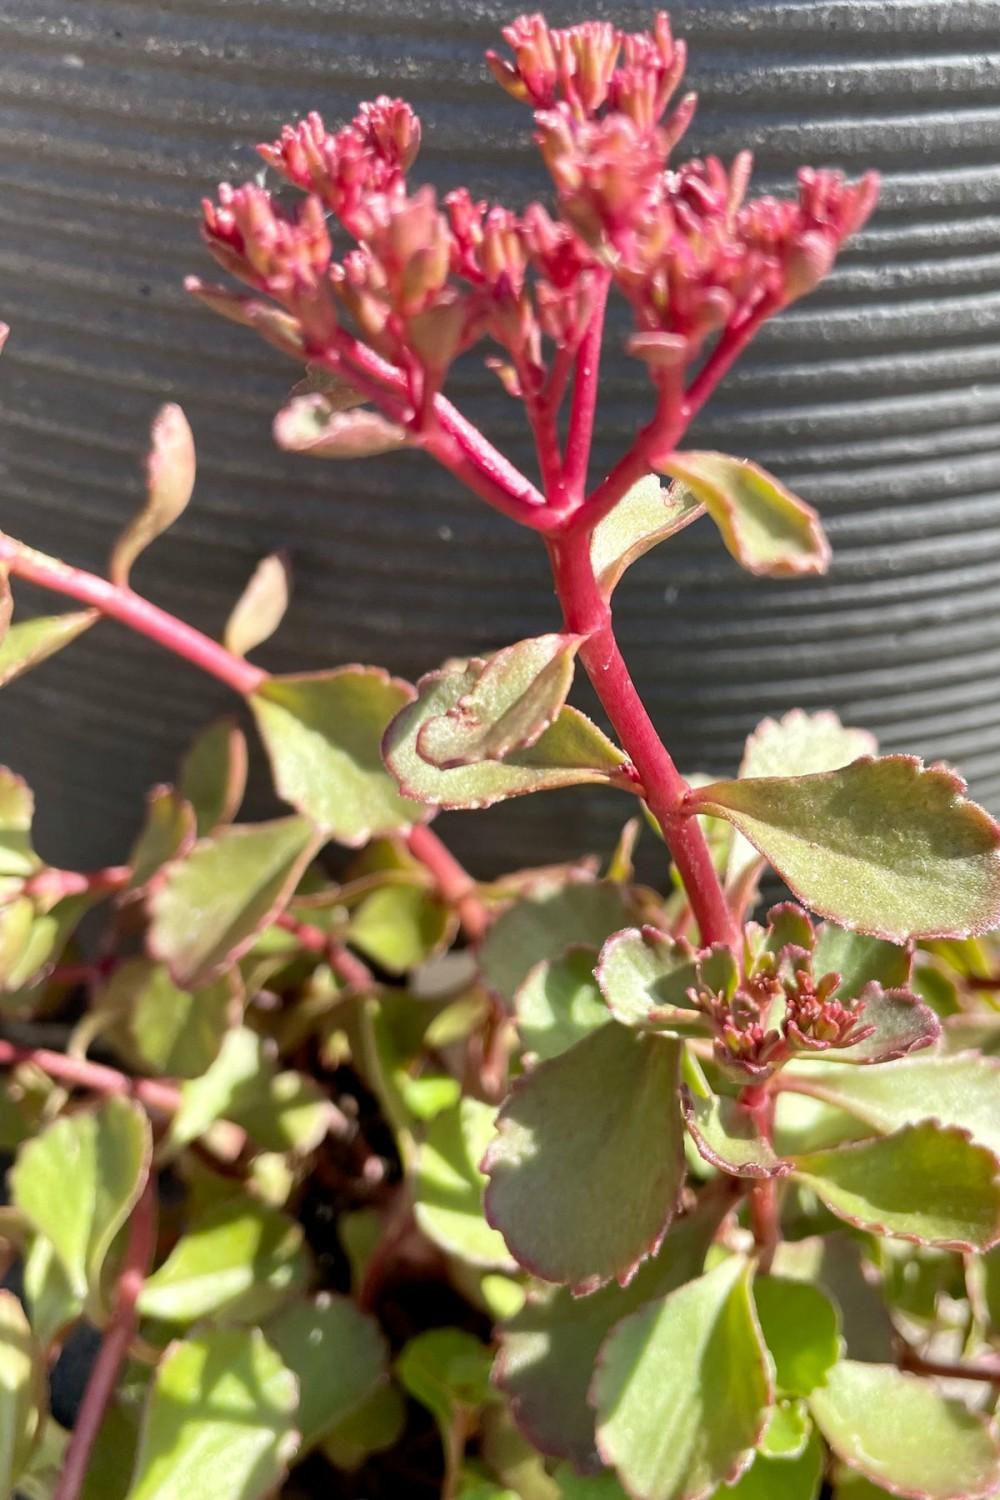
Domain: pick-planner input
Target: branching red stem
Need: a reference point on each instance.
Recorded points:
(454, 883)
(987, 1368)
(579, 438)
(586, 612)
(117, 1338)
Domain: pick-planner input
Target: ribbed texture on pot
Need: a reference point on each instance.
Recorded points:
(879, 399)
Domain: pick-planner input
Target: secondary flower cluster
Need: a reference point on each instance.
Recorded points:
(422, 280)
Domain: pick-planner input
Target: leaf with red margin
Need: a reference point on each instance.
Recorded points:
(900, 1432)
(588, 1164)
(888, 847)
(765, 527)
(646, 515)
(571, 752)
(684, 1390)
(168, 833)
(213, 774)
(927, 1183)
(903, 1024)
(645, 977)
(724, 1132)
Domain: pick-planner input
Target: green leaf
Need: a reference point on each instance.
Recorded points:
(887, 846)
(960, 1091)
(545, 926)
(308, 425)
(17, 809)
(176, 1033)
(170, 473)
(571, 752)
(549, 1349)
(260, 608)
(29, 642)
(78, 1181)
(833, 1262)
(448, 1372)
(764, 526)
(903, 1024)
(517, 695)
(323, 733)
(401, 926)
(587, 1486)
(213, 775)
(376, 1425)
(449, 1186)
(770, 1478)
(52, 1303)
(36, 943)
(646, 514)
(214, 902)
(168, 833)
(788, 1431)
(898, 1431)
(219, 1421)
(337, 1354)
(238, 1261)
(559, 1003)
(22, 1389)
(859, 960)
(800, 744)
(724, 1132)
(928, 1183)
(801, 1330)
(645, 976)
(588, 1163)
(683, 1389)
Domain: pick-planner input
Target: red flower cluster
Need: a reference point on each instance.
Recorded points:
(424, 280)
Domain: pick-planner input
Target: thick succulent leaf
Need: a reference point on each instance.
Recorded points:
(683, 1389)
(309, 425)
(338, 1356)
(646, 514)
(168, 832)
(559, 1003)
(645, 976)
(377, 1424)
(448, 1372)
(261, 607)
(833, 1262)
(597, 1126)
(213, 775)
(238, 1261)
(213, 903)
(219, 1420)
(78, 1181)
(52, 1303)
(572, 1486)
(764, 526)
(162, 1029)
(860, 960)
(401, 926)
(773, 1478)
(569, 753)
(323, 733)
(888, 846)
(170, 475)
(449, 1186)
(724, 1132)
(801, 1329)
(903, 1024)
(928, 1183)
(29, 642)
(549, 1349)
(17, 810)
(516, 696)
(899, 1431)
(788, 1431)
(800, 744)
(22, 1388)
(544, 926)
(961, 1091)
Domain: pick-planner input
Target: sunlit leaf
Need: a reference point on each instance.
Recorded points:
(163, 1029)
(899, 1431)
(219, 1420)
(571, 752)
(17, 810)
(683, 1390)
(566, 1143)
(887, 846)
(401, 926)
(449, 1185)
(338, 1355)
(766, 528)
(646, 514)
(22, 1390)
(29, 642)
(323, 734)
(724, 1132)
(52, 1302)
(773, 1478)
(801, 1330)
(645, 978)
(559, 1003)
(214, 902)
(260, 608)
(308, 425)
(170, 475)
(545, 926)
(168, 833)
(213, 774)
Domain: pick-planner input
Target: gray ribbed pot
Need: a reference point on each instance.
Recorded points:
(877, 399)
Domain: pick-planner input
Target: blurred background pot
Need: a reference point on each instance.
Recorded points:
(878, 398)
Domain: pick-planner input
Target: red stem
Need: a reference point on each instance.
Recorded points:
(985, 1369)
(765, 1217)
(55, 885)
(586, 612)
(120, 603)
(154, 1093)
(345, 964)
(581, 419)
(119, 1335)
(454, 883)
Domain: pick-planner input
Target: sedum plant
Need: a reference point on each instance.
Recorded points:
(365, 1177)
